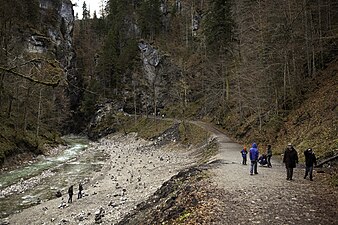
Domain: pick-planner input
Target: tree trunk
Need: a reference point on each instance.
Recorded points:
(306, 29)
(39, 115)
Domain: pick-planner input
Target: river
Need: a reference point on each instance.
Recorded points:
(39, 181)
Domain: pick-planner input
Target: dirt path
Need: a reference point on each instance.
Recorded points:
(268, 198)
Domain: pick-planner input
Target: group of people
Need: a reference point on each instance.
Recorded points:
(71, 192)
(254, 157)
(290, 159)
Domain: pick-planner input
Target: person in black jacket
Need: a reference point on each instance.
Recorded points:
(310, 160)
(269, 155)
(79, 195)
(70, 193)
(290, 159)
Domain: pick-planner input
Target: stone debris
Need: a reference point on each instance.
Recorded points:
(99, 214)
(135, 169)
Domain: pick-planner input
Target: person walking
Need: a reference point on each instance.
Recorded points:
(253, 158)
(290, 159)
(310, 160)
(79, 195)
(269, 155)
(244, 155)
(70, 194)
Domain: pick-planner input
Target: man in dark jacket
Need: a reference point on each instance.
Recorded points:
(70, 194)
(79, 195)
(290, 159)
(253, 158)
(310, 159)
(269, 155)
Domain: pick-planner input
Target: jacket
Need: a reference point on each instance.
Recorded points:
(254, 152)
(244, 153)
(269, 152)
(310, 158)
(290, 157)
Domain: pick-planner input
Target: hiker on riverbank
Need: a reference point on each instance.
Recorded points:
(253, 158)
(290, 159)
(79, 195)
(70, 194)
(269, 155)
(310, 160)
(244, 155)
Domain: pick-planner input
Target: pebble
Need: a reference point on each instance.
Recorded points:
(142, 181)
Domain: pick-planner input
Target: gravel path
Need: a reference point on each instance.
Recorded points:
(268, 198)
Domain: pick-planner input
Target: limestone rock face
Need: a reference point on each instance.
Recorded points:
(159, 76)
(53, 38)
(54, 33)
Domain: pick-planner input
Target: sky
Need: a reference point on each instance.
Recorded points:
(92, 5)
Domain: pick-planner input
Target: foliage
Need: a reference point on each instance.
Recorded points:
(218, 27)
(85, 11)
(149, 18)
(19, 12)
(32, 92)
(13, 141)
(246, 67)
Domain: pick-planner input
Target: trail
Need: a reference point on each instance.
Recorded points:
(268, 198)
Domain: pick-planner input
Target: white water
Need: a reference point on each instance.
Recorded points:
(39, 181)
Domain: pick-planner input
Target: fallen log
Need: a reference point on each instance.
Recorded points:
(327, 160)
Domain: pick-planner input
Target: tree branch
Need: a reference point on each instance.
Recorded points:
(52, 84)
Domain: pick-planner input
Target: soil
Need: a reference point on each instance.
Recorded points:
(146, 184)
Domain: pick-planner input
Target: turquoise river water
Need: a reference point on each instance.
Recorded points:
(46, 176)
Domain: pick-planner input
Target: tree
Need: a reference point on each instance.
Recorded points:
(219, 26)
(149, 18)
(85, 11)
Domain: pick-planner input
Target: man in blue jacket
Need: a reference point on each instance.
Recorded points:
(254, 158)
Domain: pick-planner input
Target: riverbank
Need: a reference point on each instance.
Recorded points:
(134, 170)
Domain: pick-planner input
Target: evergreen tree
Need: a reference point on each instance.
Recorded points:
(150, 18)
(120, 48)
(85, 12)
(219, 26)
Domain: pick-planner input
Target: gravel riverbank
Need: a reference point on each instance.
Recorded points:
(134, 170)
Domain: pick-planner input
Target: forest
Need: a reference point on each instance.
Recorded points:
(243, 65)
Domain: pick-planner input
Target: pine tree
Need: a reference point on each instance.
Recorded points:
(150, 18)
(85, 12)
(120, 46)
(219, 26)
